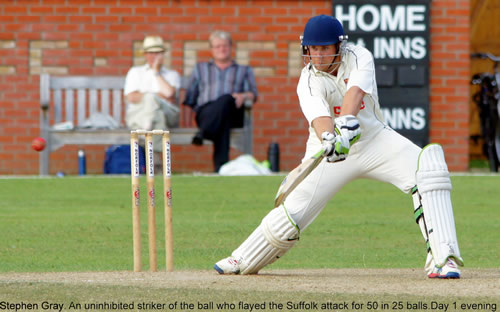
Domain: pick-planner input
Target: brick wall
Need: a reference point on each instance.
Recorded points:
(450, 79)
(92, 37)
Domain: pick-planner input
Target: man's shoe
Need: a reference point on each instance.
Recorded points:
(449, 270)
(198, 139)
(227, 265)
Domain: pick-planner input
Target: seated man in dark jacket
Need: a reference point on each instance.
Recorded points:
(217, 92)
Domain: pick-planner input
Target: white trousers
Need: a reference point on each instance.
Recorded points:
(387, 157)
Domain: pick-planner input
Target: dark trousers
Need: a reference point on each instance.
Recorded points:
(215, 120)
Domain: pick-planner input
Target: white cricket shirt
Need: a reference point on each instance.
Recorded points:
(142, 78)
(321, 94)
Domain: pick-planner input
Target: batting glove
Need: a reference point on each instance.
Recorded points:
(329, 140)
(348, 132)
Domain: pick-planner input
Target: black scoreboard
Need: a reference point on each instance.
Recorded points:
(397, 33)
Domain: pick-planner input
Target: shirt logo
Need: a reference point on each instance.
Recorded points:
(337, 109)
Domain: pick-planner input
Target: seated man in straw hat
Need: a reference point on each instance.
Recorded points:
(151, 89)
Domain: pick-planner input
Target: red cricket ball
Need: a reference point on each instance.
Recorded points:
(38, 144)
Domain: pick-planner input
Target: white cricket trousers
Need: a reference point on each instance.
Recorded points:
(387, 157)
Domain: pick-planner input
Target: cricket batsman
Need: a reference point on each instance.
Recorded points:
(337, 92)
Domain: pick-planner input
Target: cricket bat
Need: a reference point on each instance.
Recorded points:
(296, 176)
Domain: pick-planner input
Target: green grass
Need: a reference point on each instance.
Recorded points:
(84, 224)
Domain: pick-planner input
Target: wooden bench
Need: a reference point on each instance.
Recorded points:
(73, 99)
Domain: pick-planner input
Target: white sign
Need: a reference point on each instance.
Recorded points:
(369, 17)
(405, 119)
(398, 28)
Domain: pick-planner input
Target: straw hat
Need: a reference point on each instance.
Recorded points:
(153, 44)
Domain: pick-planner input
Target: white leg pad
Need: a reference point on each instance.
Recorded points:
(270, 240)
(434, 186)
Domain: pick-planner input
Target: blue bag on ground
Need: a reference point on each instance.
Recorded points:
(118, 159)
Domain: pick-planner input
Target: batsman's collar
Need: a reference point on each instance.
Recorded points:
(317, 72)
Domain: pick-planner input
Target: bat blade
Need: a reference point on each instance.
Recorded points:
(296, 176)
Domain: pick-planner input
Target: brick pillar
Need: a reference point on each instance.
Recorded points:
(449, 79)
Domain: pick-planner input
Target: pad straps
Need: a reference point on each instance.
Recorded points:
(418, 214)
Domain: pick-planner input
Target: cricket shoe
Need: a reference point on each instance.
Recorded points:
(449, 270)
(228, 265)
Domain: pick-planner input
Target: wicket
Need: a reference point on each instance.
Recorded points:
(167, 193)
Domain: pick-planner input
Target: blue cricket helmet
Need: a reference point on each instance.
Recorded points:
(323, 30)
